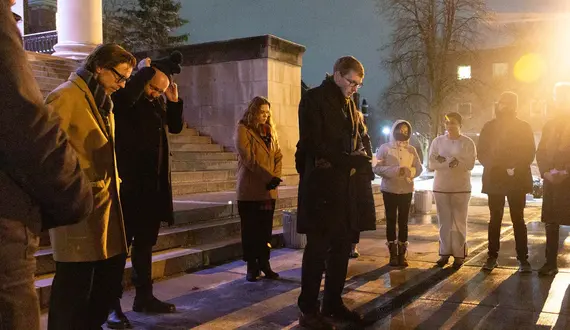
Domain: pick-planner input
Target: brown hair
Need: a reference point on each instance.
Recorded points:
(108, 56)
(455, 115)
(347, 63)
(253, 110)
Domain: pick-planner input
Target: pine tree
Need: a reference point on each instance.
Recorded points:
(145, 24)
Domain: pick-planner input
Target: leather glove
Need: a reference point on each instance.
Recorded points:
(440, 159)
(274, 183)
(454, 163)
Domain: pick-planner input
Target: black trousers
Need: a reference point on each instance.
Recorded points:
(397, 208)
(256, 229)
(141, 272)
(18, 300)
(517, 202)
(330, 248)
(552, 239)
(141, 234)
(83, 292)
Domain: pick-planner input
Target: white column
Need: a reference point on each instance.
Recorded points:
(79, 27)
(18, 8)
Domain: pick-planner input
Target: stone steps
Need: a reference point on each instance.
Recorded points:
(203, 165)
(187, 131)
(206, 232)
(190, 139)
(173, 261)
(202, 187)
(196, 147)
(203, 176)
(211, 156)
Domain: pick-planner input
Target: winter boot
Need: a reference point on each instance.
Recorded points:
(393, 248)
(402, 250)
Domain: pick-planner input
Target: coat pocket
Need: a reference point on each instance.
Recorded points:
(100, 191)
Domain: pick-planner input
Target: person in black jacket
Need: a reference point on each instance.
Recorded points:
(146, 110)
(506, 150)
(41, 183)
(553, 158)
(328, 160)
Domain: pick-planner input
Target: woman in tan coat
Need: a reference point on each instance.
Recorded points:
(89, 255)
(258, 176)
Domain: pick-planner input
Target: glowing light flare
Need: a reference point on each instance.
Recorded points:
(561, 47)
(529, 68)
(386, 130)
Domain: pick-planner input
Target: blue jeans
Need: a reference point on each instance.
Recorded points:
(19, 307)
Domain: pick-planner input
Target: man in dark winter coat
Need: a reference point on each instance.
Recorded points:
(553, 158)
(143, 120)
(506, 150)
(328, 161)
(41, 183)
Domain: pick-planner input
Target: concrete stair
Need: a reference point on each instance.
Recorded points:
(206, 232)
(50, 71)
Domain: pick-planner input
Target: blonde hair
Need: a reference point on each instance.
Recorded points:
(253, 109)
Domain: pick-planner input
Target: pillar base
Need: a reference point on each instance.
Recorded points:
(73, 50)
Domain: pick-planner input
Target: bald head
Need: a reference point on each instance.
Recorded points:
(157, 85)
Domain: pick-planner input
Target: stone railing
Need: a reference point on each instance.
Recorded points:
(42, 42)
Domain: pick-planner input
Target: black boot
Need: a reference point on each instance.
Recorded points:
(393, 248)
(315, 321)
(117, 319)
(550, 268)
(266, 269)
(252, 271)
(152, 305)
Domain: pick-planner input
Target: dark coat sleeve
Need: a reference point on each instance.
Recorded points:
(484, 146)
(310, 132)
(125, 98)
(34, 151)
(174, 116)
(545, 164)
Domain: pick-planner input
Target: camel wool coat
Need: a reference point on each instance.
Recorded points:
(102, 235)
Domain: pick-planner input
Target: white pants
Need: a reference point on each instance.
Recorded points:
(452, 214)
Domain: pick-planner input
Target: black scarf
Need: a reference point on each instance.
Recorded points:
(102, 100)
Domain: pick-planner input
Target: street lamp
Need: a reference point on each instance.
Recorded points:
(386, 132)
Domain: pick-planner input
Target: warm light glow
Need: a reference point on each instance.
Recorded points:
(464, 72)
(529, 68)
(553, 304)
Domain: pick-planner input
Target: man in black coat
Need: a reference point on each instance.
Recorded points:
(143, 120)
(327, 160)
(553, 158)
(41, 183)
(506, 150)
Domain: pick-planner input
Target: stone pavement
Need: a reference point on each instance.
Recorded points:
(220, 298)
(501, 299)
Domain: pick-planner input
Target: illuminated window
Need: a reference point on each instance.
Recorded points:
(538, 109)
(464, 72)
(464, 110)
(500, 70)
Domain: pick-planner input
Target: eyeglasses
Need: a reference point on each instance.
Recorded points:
(120, 77)
(353, 83)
